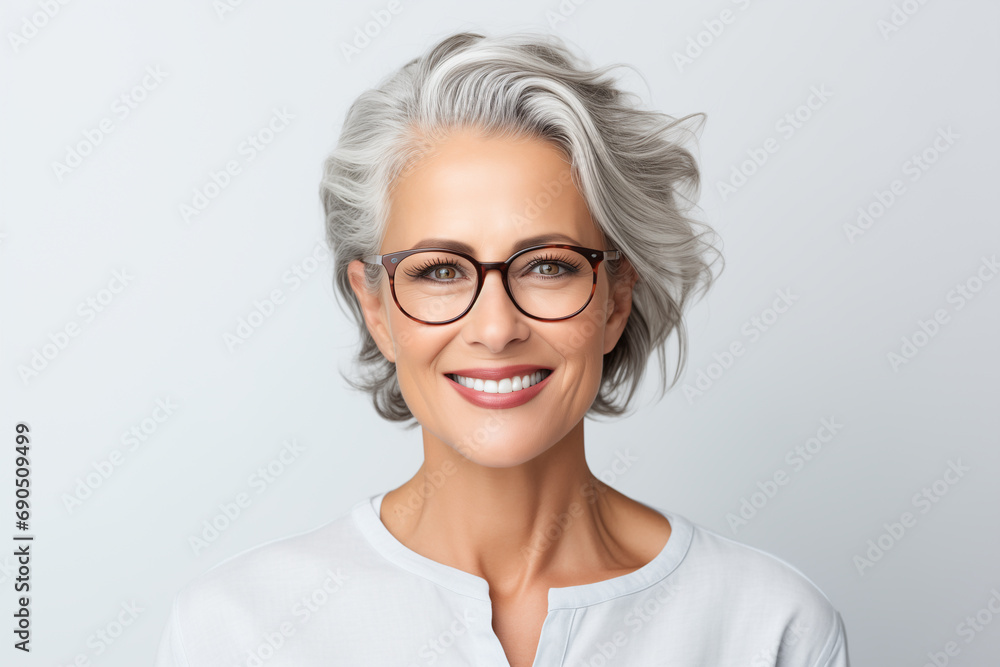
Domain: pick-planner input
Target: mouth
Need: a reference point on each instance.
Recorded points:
(509, 382)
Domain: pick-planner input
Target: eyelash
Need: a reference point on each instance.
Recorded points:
(548, 259)
(422, 270)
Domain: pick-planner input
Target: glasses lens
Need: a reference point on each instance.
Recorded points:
(437, 286)
(551, 282)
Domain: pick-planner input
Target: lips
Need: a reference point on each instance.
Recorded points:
(505, 396)
(502, 386)
(498, 373)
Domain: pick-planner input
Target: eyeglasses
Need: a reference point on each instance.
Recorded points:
(545, 282)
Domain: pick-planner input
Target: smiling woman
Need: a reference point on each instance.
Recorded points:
(469, 191)
(511, 236)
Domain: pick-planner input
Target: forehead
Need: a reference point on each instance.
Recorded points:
(489, 194)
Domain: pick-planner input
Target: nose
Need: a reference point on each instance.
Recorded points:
(494, 320)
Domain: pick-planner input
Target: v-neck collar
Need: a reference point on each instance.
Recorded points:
(366, 515)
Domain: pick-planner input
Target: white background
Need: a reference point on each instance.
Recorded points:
(161, 336)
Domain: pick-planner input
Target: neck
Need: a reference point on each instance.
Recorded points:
(513, 526)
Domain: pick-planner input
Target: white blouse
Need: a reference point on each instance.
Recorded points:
(349, 593)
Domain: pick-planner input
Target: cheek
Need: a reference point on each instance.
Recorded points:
(412, 341)
(416, 347)
(580, 339)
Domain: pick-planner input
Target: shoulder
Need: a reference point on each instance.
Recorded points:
(769, 594)
(749, 571)
(282, 561)
(280, 583)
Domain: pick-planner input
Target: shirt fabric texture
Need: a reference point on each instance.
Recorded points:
(349, 593)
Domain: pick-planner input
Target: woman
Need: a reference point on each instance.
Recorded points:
(510, 235)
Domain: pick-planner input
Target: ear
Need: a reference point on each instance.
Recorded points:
(373, 307)
(619, 305)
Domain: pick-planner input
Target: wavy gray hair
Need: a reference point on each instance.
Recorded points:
(629, 164)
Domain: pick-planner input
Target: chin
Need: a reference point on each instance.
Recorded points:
(498, 449)
(500, 459)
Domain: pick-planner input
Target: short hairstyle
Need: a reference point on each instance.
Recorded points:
(629, 164)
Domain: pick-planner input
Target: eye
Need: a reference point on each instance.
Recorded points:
(548, 268)
(553, 267)
(435, 270)
(443, 271)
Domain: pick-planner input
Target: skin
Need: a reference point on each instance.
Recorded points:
(496, 479)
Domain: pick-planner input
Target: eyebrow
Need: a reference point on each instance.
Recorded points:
(452, 244)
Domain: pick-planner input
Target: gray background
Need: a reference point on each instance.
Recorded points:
(162, 336)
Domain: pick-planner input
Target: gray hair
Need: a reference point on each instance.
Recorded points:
(629, 164)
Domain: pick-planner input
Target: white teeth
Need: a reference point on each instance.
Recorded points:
(504, 386)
